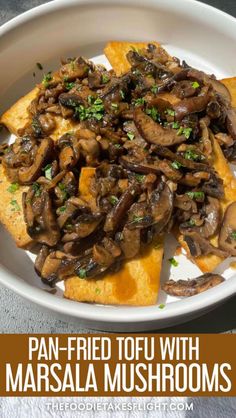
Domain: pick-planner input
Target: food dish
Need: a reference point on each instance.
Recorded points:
(221, 63)
(113, 161)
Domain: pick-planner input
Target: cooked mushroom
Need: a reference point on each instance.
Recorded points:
(198, 245)
(227, 237)
(29, 174)
(40, 218)
(153, 132)
(210, 219)
(191, 287)
(192, 105)
(115, 216)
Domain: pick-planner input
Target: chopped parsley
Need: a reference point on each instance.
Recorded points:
(40, 67)
(48, 171)
(15, 205)
(122, 94)
(191, 222)
(37, 189)
(233, 235)
(186, 131)
(153, 113)
(195, 85)
(138, 218)
(196, 195)
(105, 78)
(139, 102)
(82, 273)
(47, 78)
(161, 306)
(96, 110)
(154, 89)
(176, 165)
(192, 155)
(113, 200)
(69, 85)
(170, 112)
(117, 146)
(175, 125)
(62, 187)
(140, 177)
(130, 135)
(114, 105)
(173, 262)
(62, 209)
(13, 188)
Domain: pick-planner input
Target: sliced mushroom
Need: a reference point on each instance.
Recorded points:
(227, 237)
(153, 132)
(186, 288)
(28, 175)
(214, 186)
(118, 212)
(211, 219)
(198, 245)
(40, 218)
(192, 105)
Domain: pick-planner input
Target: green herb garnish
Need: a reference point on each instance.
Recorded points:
(122, 94)
(13, 188)
(40, 67)
(233, 235)
(195, 85)
(97, 291)
(139, 102)
(130, 135)
(196, 195)
(114, 105)
(154, 89)
(173, 262)
(170, 112)
(175, 125)
(161, 306)
(47, 78)
(138, 218)
(15, 205)
(62, 187)
(68, 85)
(37, 189)
(105, 78)
(96, 110)
(113, 200)
(153, 113)
(186, 131)
(82, 273)
(140, 177)
(62, 209)
(48, 171)
(176, 165)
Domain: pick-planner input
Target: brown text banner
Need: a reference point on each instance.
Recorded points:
(117, 365)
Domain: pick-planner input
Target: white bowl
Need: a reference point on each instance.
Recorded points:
(202, 35)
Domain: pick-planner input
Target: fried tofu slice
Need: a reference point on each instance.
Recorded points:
(137, 283)
(11, 213)
(17, 118)
(116, 54)
(208, 263)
